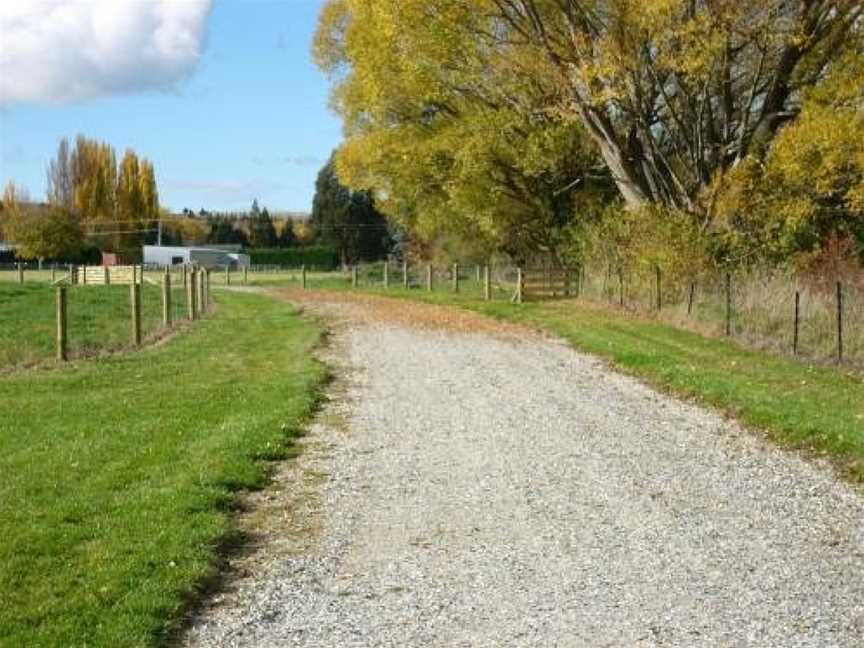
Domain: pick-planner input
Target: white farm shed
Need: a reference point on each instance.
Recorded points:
(203, 256)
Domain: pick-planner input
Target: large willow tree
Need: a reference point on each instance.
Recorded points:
(451, 136)
(674, 93)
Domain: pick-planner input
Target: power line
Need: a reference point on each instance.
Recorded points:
(138, 231)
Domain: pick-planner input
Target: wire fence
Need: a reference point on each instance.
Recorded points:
(811, 318)
(43, 315)
(819, 319)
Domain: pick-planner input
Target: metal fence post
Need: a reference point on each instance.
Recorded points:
(20, 273)
(303, 276)
(456, 277)
(354, 276)
(386, 274)
(404, 274)
(228, 275)
(245, 275)
(659, 289)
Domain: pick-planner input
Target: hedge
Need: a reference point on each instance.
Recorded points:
(318, 256)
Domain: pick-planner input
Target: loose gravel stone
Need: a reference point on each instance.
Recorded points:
(493, 490)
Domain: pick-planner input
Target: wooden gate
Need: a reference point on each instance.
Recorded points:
(106, 275)
(546, 283)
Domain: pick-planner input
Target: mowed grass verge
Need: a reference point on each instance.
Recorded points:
(814, 408)
(117, 476)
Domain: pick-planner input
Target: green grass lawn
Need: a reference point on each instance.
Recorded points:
(117, 475)
(811, 407)
(98, 319)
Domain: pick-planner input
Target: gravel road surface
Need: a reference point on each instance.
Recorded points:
(473, 487)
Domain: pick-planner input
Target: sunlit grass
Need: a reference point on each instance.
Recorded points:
(117, 474)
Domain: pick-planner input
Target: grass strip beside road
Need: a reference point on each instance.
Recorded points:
(815, 408)
(117, 475)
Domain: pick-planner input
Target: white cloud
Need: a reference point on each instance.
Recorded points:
(57, 51)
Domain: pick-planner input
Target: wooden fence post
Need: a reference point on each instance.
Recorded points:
(53, 272)
(839, 322)
(690, 298)
(456, 277)
(207, 301)
(61, 323)
(20, 273)
(183, 275)
(135, 299)
(227, 275)
(428, 277)
(607, 291)
(166, 299)
(487, 284)
(659, 288)
(578, 292)
(519, 286)
(303, 276)
(107, 276)
(354, 276)
(797, 322)
(386, 275)
(728, 304)
(404, 274)
(620, 287)
(190, 294)
(245, 275)
(202, 302)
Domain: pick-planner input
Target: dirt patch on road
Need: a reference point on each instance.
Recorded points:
(375, 308)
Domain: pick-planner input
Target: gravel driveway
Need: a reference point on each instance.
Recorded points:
(489, 489)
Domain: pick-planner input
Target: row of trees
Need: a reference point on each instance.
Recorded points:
(255, 228)
(91, 197)
(541, 126)
(348, 220)
(341, 218)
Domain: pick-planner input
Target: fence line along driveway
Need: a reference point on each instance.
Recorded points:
(493, 490)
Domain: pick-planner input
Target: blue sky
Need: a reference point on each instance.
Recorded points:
(248, 118)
